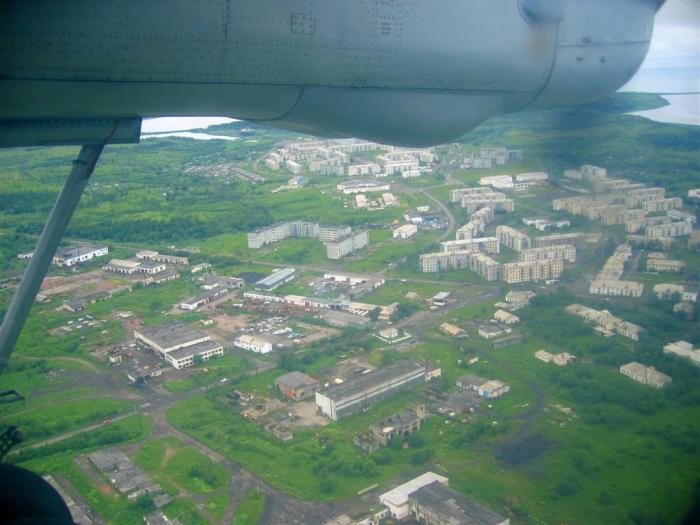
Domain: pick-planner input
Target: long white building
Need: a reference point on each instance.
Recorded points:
(177, 343)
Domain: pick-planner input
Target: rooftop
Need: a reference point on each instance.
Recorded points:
(372, 379)
(399, 495)
(276, 277)
(170, 334)
(191, 350)
(296, 380)
(451, 504)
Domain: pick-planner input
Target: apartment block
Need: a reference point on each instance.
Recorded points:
(479, 244)
(347, 244)
(444, 261)
(672, 203)
(521, 272)
(485, 266)
(674, 229)
(563, 252)
(512, 238)
(574, 239)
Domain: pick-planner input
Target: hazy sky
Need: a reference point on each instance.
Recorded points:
(673, 63)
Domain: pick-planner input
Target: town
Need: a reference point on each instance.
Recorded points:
(376, 351)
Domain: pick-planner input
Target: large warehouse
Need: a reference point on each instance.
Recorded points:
(177, 343)
(364, 390)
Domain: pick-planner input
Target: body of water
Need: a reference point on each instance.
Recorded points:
(187, 135)
(682, 109)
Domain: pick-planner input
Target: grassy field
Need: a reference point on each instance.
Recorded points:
(250, 509)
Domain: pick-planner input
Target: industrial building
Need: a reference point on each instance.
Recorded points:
(347, 244)
(401, 424)
(396, 500)
(512, 238)
(193, 303)
(646, 375)
(363, 391)
(150, 255)
(82, 252)
(405, 232)
(253, 343)
(177, 343)
(362, 186)
(297, 385)
(276, 279)
(438, 504)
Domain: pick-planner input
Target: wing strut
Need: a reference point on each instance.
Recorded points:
(24, 297)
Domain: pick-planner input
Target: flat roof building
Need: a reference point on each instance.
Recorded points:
(438, 504)
(276, 279)
(615, 288)
(363, 391)
(177, 343)
(665, 265)
(405, 232)
(297, 385)
(396, 500)
(82, 252)
(512, 238)
(253, 343)
(347, 244)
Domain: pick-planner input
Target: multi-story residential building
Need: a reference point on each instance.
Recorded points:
(347, 244)
(646, 375)
(495, 200)
(537, 176)
(615, 288)
(674, 229)
(512, 238)
(640, 225)
(563, 252)
(456, 195)
(665, 265)
(485, 266)
(635, 198)
(521, 272)
(444, 261)
(478, 244)
(470, 230)
(365, 169)
(672, 203)
(575, 239)
(327, 233)
(484, 215)
(280, 231)
(593, 172)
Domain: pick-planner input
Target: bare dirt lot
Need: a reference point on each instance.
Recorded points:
(83, 284)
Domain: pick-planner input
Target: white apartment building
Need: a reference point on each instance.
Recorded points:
(347, 244)
(563, 252)
(672, 203)
(522, 272)
(456, 195)
(444, 261)
(358, 186)
(512, 238)
(478, 244)
(485, 266)
(537, 176)
(674, 229)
